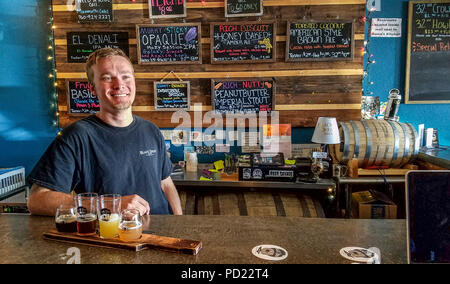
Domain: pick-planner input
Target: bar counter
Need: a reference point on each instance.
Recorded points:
(225, 239)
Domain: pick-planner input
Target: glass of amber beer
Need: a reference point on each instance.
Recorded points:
(86, 204)
(130, 228)
(66, 219)
(109, 215)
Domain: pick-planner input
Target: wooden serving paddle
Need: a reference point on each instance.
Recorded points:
(146, 241)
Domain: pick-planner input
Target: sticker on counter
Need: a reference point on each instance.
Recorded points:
(359, 254)
(270, 252)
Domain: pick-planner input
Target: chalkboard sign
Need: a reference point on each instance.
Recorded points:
(167, 9)
(243, 96)
(80, 100)
(319, 41)
(241, 42)
(93, 11)
(243, 8)
(428, 53)
(81, 44)
(169, 43)
(172, 95)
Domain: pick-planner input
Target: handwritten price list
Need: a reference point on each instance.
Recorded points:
(431, 27)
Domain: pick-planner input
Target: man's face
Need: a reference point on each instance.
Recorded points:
(114, 84)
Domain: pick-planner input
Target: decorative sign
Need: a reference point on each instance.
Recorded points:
(81, 44)
(243, 42)
(169, 43)
(92, 11)
(428, 52)
(386, 27)
(243, 8)
(167, 9)
(80, 100)
(243, 96)
(319, 41)
(172, 95)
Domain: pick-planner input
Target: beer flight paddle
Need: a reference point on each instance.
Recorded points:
(147, 241)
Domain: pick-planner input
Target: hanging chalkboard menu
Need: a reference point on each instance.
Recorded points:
(243, 8)
(80, 100)
(167, 9)
(93, 11)
(172, 95)
(241, 42)
(81, 44)
(242, 96)
(169, 43)
(428, 53)
(319, 41)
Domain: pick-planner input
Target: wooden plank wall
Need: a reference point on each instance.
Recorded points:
(305, 90)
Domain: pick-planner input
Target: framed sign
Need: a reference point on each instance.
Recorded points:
(80, 99)
(241, 96)
(81, 44)
(428, 53)
(166, 9)
(243, 8)
(172, 95)
(169, 43)
(94, 11)
(320, 41)
(243, 42)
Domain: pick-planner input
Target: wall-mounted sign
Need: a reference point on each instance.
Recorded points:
(169, 43)
(243, 8)
(386, 27)
(93, 11)
(240, 96)
(81, 44)
(167, 9)
(241, 42)
(319, 41)
(80, 100)
(172, 95)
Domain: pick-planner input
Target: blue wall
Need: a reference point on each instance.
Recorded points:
(388, 72)
(26, 117)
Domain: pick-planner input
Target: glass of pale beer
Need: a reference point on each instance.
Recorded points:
(130, 228)
(109, 215)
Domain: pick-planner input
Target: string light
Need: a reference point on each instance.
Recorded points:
(369, 57)
(52, 74)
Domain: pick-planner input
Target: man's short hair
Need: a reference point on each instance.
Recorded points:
(102, 53)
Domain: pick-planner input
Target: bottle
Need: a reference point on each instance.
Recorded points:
(393, 105)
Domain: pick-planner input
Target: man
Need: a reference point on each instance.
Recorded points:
(112, 151)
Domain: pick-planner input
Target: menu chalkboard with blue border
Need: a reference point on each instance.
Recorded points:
(172, 95)
(243, 96)
(80, 99)
(169, 43)
(428, 53)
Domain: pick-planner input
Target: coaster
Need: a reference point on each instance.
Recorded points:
(359, 254)
(270, 252)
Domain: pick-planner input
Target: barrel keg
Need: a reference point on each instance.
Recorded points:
(376, 143)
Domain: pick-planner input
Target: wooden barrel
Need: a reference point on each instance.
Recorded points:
(250, 203)
(376, 143)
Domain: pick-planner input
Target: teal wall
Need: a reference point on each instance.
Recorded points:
(388, 72)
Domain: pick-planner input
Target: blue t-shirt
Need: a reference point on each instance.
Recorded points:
(92, 156)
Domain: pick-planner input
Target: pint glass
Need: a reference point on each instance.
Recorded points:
(130, 228)
(86, 204)
(109, 215)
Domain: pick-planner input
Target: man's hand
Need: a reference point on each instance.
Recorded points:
(136, 202)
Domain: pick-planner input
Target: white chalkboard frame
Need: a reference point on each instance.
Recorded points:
(228, 15)
(237, 114)
(188, 83)
(166, 16)
(288, 41)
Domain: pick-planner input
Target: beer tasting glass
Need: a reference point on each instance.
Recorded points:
(109, 215)
(130, 228)
(66, 219)
(86, 204)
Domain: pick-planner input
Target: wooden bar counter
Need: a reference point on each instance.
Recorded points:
(225, 239)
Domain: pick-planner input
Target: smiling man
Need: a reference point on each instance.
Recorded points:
(112, 151)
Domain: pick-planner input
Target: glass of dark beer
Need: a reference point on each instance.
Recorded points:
(66, 219)
(86, 204)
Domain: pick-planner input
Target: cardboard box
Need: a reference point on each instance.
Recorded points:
(373, 205)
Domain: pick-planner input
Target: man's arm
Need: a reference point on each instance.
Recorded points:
(172, 195)
(44, 201)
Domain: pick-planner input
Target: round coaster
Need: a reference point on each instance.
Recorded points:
(270, 252)
(358, 254)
